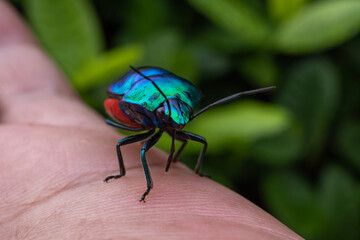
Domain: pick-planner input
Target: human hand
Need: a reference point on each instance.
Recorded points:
(55, 153)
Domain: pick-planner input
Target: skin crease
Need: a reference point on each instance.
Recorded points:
(55, 152)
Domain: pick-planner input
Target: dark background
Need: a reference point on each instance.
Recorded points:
(294, 151)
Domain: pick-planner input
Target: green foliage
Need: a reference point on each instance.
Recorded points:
(349, 142)
(236, 17)
(340, 204)
(328, 211)
(268, 74)
(68, 29)
(311, 93)
(244, 121)
(106, 66)
(225, 46)
(319, 26)
(281, 10)
(292, 199)
(283, 148)
(150, 17)
(167, 49)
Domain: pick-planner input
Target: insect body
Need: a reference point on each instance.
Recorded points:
(150, 98)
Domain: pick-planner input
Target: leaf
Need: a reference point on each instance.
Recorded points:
(235, 17)
(311, 94)
(292, 200)
(144, 18)
(243, 121)
(68, 29)
(281, 10)
(167, 50)
(269, 72)
(216, 39)
(212, 63)
(349, 142)
(330, 211)
(319, 26)
(107, 66)
(338, 198)
(279, 149)
(351, 56)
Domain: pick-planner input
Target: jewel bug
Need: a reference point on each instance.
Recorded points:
(150, 98)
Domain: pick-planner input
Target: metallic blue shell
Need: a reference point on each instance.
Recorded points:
(144, 93)
(137, 92)
(122, 85)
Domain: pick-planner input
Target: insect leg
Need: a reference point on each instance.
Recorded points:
(179, 151)
(177, 154)
(196, 138)
(151, 142)
(173, 136)
(125, 141)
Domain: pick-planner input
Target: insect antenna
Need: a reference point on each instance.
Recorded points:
(157, 87)
(230, 98)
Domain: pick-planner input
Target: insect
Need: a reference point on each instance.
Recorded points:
(150, 98)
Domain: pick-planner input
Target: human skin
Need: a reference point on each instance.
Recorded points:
(55, 153)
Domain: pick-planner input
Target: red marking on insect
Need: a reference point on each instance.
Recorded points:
(113, 109)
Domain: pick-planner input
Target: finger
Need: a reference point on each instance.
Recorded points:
(37, 162)
(181, 206)
(63, 182)
(62, 179)
(33, 90)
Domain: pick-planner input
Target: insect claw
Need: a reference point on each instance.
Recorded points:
(205, 175)
(145, 194)
(112, 177)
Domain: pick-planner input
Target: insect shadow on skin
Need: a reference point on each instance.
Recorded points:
(150, 98)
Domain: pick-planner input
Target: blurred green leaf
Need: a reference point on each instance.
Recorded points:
(210, 62)
(243, 121)
(350, 99)
(311, 93)
(68, 29)
(236, 17)
(349, 142)
(338, 198)
(351, 56)
(184, 65)
(151, 16)
(331, 213)
(268, 73)
(292, 199)
(217, 39)
(280, 149)
(162, 48)
(107, 66)
(319, 26)
(281, 10)
(167, 50)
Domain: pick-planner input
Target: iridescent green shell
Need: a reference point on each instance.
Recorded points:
(135, 89)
